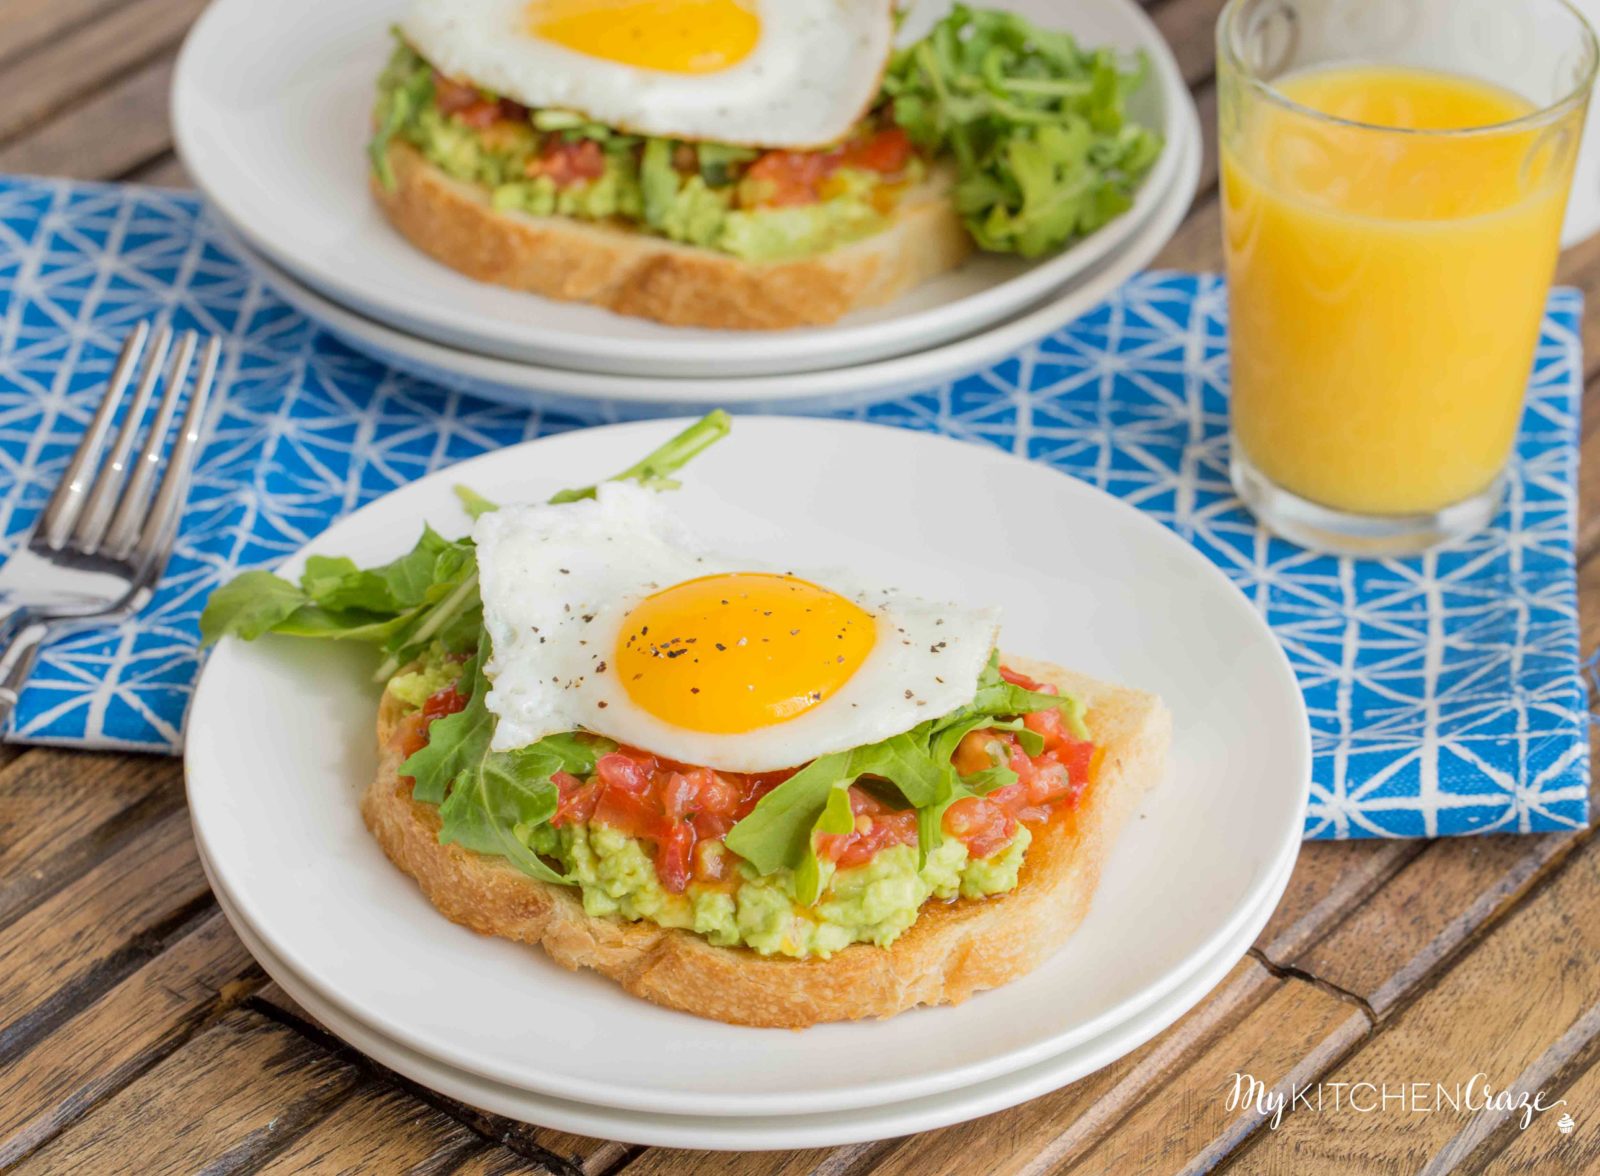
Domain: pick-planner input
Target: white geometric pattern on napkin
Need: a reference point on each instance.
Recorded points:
(1444, 691)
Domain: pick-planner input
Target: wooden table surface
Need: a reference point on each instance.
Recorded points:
(137, 1035)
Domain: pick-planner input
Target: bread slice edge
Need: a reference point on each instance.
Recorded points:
(953, 950)
(623, 270)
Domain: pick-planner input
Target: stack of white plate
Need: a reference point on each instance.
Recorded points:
(271, 110)
(280, 746)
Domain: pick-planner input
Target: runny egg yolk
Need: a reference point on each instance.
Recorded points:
(737, 652)
(677, 36)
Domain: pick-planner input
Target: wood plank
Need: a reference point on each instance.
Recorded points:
(1518, 1008)
(164, 172)
(85, 60)
(118, 129)
(1149, 1111)
(1056, 1129)
(1197, 245)
(1587, 542)
(231, 1098)
(1589, 600)
(25, 24)
(1189, 27)
(121, 1035)
(91, 933)
(1187, 1125)
(381, 1129)
(668, 1161)
(1398, 937)
(1331, 879)
(525, 1139)
(1539, 1151)
(1205, 102)
(506, 1161)
(60, 812)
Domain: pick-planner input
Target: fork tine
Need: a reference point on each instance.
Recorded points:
(161, 527)
(91, 526)
(61, 511)
(124, 531)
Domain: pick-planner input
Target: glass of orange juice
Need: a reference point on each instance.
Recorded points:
(1394, 174)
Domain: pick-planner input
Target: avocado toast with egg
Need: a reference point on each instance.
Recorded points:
(743, 163)
(762, 798)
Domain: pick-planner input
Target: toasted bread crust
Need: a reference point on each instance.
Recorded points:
(952, 950)
(632, 273)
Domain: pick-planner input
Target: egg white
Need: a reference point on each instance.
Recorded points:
(559, 581)
(811, 76)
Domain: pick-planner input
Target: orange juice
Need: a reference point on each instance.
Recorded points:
(1386, 286)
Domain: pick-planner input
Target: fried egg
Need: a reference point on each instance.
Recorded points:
(766, 73)
(605, 616)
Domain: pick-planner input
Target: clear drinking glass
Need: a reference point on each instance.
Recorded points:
(1394, 175)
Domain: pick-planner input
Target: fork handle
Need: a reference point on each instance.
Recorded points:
(16, 663)
(12, 619)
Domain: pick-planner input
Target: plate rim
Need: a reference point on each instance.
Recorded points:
(762, 353)
(1019, 1086)
(600, 394)
(904, 1088)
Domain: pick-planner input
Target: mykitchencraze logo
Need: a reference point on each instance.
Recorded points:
(1406, 1098)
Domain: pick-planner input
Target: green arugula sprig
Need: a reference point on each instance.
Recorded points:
(428, 595)
(490, 801)
(405, 89)
(1044, 151)
(782, 830)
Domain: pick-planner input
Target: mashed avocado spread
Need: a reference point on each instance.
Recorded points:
(874, 902)
(685, 192)
(870, 903)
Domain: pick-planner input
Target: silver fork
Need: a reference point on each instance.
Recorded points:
(102, 540)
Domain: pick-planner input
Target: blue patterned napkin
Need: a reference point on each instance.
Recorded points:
(1444, 691)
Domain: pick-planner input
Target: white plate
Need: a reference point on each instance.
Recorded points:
(618, 397)
(759, 1132)
(271, 109)
(280, 745)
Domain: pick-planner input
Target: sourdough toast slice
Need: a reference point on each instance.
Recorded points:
(630, 272)
(953, 949)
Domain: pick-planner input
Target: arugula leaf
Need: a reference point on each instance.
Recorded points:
(781, 830)
(249, 605)
(475, 504)
(455, 742)
(837, 817)
(405, 88)
(1037, 127)
(777, 832)
(429, 594)
(337, 584)
(654, 471)
(490, 801)
(495, 803)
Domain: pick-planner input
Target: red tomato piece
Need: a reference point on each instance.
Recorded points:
(781, 178)
(444, 702)
(621, 771)
(982, 822)
(411, 734)
(577, 799)
(674, 848)
(886, 151)
(1077, 756)
(1050, 725)
(978, 750)
(569, 163)
(632, 813)
(1026, 682)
